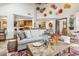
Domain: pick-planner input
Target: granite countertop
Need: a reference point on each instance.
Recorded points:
(47, 51)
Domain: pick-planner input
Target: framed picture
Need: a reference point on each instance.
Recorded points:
(41, 24)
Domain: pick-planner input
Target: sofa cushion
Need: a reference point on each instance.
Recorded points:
(34, 33)
(41, 32)
(38, 38)
(28, 33)
(22, 35)
(28, 40)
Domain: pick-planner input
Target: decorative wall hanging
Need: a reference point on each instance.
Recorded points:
(41, 10)
(59, 10)
(45, 14)
(67, 5)
(50, 12)
(55, 7)
(52, 5)
(38, 8)
(71, 22)
(50, 25)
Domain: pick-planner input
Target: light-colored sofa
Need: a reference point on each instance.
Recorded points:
(32, 36)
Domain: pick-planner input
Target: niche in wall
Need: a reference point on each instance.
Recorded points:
(3, 22)
(41, 24)
(44, 23)
(23, 23)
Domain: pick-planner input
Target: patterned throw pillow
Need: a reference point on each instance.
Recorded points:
(22, 35)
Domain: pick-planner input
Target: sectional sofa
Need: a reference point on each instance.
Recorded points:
(32, 36)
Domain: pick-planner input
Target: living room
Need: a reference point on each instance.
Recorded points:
(39, 29)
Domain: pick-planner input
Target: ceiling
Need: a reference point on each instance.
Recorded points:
(2, 4)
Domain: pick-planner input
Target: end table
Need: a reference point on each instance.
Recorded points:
(12, 45)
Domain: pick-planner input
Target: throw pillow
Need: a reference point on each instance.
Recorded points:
(22, 35)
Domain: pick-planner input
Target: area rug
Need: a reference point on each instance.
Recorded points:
(74, 49)
(74, 52)
(19, 53)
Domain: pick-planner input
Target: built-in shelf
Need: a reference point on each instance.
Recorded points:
(2, 35)
(23, 24)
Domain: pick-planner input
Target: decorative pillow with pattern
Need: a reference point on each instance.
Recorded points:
(22, 35)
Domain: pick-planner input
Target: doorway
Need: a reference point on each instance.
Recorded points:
(61, 26)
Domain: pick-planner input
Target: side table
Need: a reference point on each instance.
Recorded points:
(12, 45)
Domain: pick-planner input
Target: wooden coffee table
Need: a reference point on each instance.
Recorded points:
(57, 50)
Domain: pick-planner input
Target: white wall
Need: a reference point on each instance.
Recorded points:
(65, 13)
(77, 21)
(23, 9)
(19, 9)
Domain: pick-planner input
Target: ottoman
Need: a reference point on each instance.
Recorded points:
(12, 45)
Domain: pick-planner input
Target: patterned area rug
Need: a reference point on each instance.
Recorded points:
(74, 49)
(74, 52)
(19, 53)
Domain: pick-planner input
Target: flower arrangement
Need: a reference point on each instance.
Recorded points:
(53, 38)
